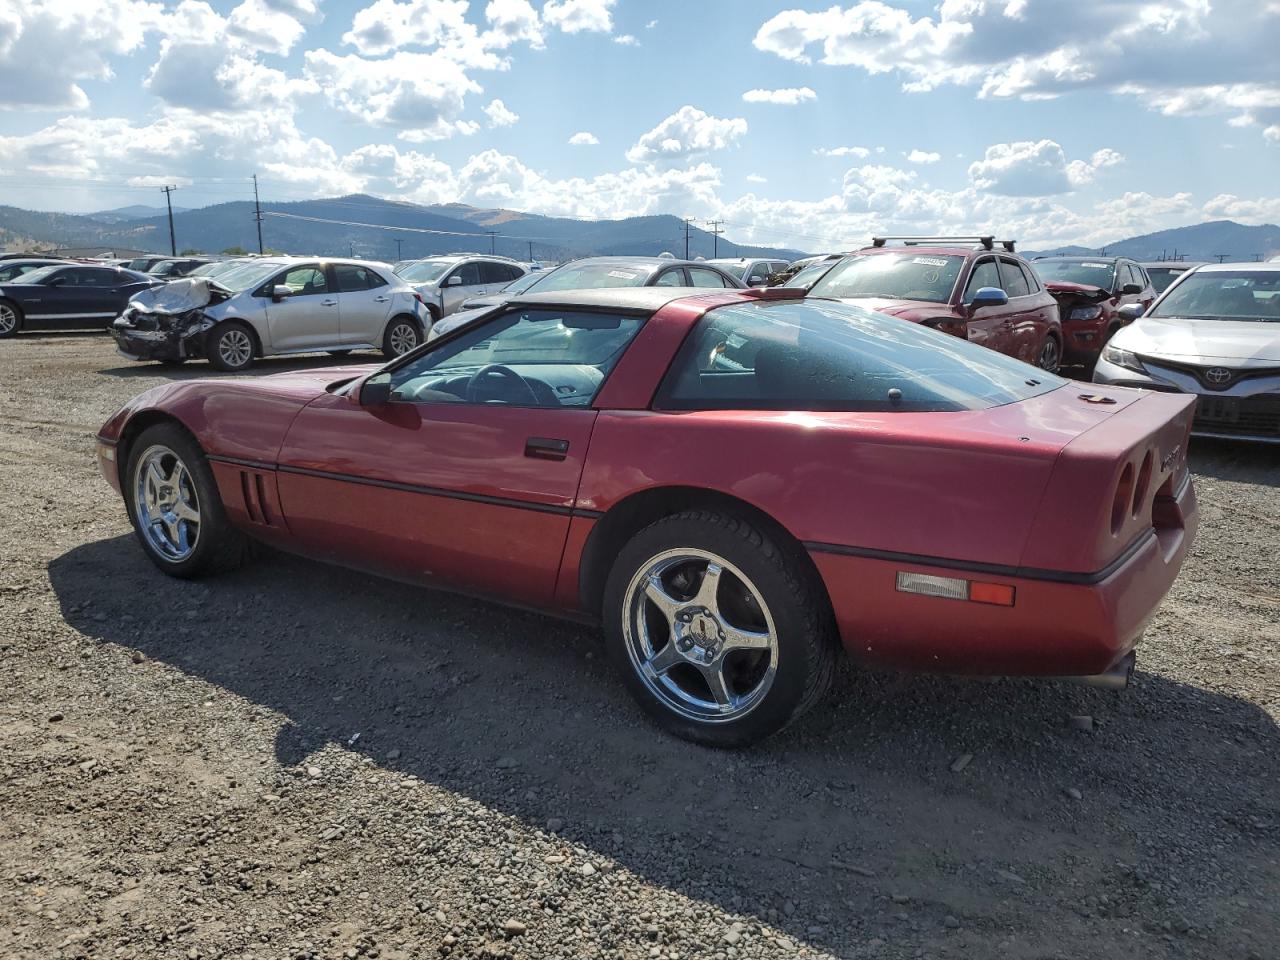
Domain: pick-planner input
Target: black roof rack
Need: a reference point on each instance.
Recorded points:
(987, 242)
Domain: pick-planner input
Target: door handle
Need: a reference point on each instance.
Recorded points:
(546, 448)
(328, 303)
(381, 299)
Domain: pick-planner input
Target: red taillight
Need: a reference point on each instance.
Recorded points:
(1001, 594)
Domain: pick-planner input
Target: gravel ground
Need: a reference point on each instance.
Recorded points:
(297, 761)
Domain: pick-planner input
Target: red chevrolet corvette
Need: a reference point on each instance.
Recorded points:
(736, 484)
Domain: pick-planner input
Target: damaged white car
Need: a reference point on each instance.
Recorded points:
(272, 306)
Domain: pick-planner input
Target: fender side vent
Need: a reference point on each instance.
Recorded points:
(253, 489)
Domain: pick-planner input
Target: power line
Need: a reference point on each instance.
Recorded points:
(257, 211)
(716, 230)
(168, 199)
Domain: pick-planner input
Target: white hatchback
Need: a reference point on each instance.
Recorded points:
(276, 305)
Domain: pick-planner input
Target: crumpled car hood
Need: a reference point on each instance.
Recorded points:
(190, 293)
(1246, 342)
(1085, 291)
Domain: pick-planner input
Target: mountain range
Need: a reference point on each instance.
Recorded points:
(371, 227)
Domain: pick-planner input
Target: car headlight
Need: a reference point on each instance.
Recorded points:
(1085, 313)
(1123, 358)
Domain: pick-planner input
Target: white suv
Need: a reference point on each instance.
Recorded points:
(444, 282)
(275, 305)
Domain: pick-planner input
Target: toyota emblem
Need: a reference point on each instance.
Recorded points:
(1217, 375)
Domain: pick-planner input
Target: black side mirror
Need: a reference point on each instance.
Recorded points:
(376, 391)
(1129, 288)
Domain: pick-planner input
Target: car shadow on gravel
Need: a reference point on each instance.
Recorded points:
(1236, 460)
(899, 808)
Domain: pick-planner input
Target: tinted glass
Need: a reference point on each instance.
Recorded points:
(305, 281)
(1224, 295)
(352, 278)
(548, 358)
(493, 273)
(593, 276)
(733, 269)
(1033, 282)
(9, 271)
(1015, 283)
(470, 274)
(425, 271)
(892, 276)
(91, 277)
(524, 282)
(39, 274)
(701, 277)
(758, 273)
(1094, 273)
(1161, 277)
(809, 275)
(671, 278)
(511, 272)
(985, 274)
(815, 355)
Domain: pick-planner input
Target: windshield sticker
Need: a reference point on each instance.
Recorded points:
(930, 261)
(1096, 266)
(622, 275)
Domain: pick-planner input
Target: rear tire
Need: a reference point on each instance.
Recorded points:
(173, 503)
(230, 347)
(10, 318)
(402, 335)
(728, 664)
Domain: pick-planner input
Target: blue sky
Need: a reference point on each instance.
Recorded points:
(809, 125)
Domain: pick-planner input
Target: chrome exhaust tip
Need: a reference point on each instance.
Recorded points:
(1117, 677)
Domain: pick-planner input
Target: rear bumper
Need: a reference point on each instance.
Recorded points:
(1060, 624)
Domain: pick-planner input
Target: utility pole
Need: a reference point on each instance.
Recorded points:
(398, 241)
(715, 236)
(351, 250)
(687, 221)
(492, 234)
(1222, 256)
(173, 244)
(531, 251)
(257, 211)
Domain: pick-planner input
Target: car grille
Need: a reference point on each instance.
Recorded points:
(1256, 416)
(1201, 372)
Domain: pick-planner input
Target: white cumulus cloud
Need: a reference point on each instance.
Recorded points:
(576, 16)
(499, 115)
(583, 139)
(923, 157)
(1035, 169)
(787, 96)
(859, 152)
(686, 133)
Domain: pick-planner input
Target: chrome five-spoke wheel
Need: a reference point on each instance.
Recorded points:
(167, 505)
(700, 636)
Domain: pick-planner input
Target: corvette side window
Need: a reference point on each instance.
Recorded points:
(526, 358)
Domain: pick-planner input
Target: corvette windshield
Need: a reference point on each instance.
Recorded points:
(1224, 295)
(818, 355)
(1094, 273)
(592, 276)
(426, 271)
(892, 276)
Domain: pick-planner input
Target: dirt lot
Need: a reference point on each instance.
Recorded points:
(298, 761)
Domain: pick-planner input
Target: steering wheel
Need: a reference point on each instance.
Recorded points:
(497, 370)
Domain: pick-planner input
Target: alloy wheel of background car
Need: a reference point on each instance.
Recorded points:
(1050, 355)
(700, 635)
(9, 320)
(173, 502)
(232, 348)
(723, 634)
(402, 336)
(167, 504)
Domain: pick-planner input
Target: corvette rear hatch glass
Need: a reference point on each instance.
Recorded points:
(819, 355)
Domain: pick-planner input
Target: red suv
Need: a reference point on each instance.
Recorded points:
(1090, 292)
(972, 287)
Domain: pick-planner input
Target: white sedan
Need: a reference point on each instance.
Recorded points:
(1215, 333)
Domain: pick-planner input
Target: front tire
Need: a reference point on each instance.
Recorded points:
(402, 335)
(1050, 358)
(10, 318)
(173, 503)
(231, 347)
(717, 633)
